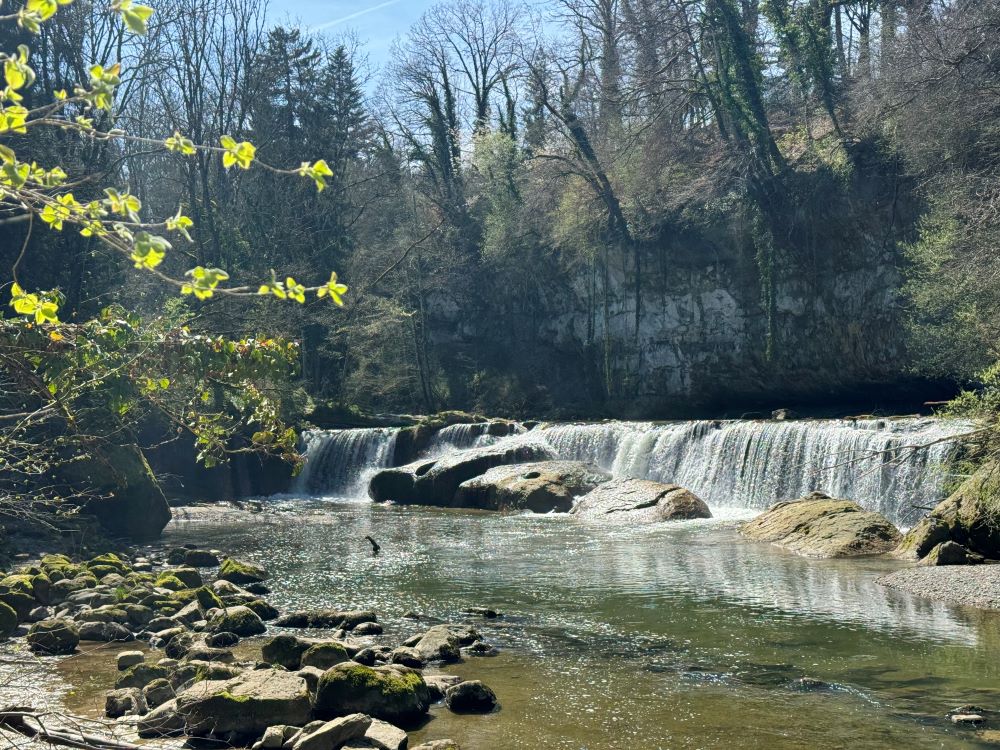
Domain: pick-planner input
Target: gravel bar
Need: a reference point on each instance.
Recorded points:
(972, 585)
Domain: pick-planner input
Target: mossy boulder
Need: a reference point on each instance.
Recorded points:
(241, 573)
(55, 636)
(199, 558)
(190, 577)
(208, 599)
(392, 693)
(8, 620)
(242, 708)
(285, 650)
(19, 582)
(20, 602)
(324, 655)
(264, 610)
(969, 517)
(240, 620)
(167, 580)
(110, 560)
(821, 526)
(141, 675)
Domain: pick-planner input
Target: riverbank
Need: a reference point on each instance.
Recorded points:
(969, 585)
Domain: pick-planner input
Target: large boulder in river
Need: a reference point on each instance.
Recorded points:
(541, 487)
(640, 501)
(436, 481)
(968, 518)
(818, 525)
(243, 707)
(392, 693)
(126, 498)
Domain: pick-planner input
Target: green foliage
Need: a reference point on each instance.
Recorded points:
(949, 310)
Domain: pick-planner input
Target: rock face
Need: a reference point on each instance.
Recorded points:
(244, 706)
(968, 518)
(128, 500)
(541, 487)
(436, 481)
(391, 693)
(820, 526)
(640, 501)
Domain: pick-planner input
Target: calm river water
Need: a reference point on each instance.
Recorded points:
(669, 636)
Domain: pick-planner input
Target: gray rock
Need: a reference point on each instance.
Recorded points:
(158, 692)
(333, 734)
(542, 487)
(105, 632)
(438, 644)
(128, 659)
(408, 657)
(471, 696)
(820, 526)
(124, 702)
(244, 706)
(436, 481)
(163, 721)
(240, 620)
(385, 736)
(640, 501)
(56, 636)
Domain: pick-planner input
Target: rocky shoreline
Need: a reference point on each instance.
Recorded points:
(220, 663)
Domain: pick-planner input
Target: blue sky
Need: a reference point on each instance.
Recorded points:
(375, 22)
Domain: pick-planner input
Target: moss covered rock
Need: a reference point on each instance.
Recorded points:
(189, 576)
(8, 620)
(324, 655)
(244, 707)
(285, 650)
(241, 573)
(264, 610)
(239, 620)
(141, 675)
(969, 517)
(55, 636)
(393, 693)
(109, 560)
(821, 526)
(208, 599)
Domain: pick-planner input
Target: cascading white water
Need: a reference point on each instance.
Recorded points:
(754, 464)
(739, 464)
(340, 462)
(461, 436)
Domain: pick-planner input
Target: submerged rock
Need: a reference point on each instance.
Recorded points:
(541, 487)
(820, 526)
(640, 501)
(436, 481)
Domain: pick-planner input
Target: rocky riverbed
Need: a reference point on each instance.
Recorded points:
(326, 681)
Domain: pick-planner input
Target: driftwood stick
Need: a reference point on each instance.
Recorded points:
(16, 719)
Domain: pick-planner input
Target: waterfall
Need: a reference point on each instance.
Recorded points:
(754, 464)
(340, 462)
(460, 436)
